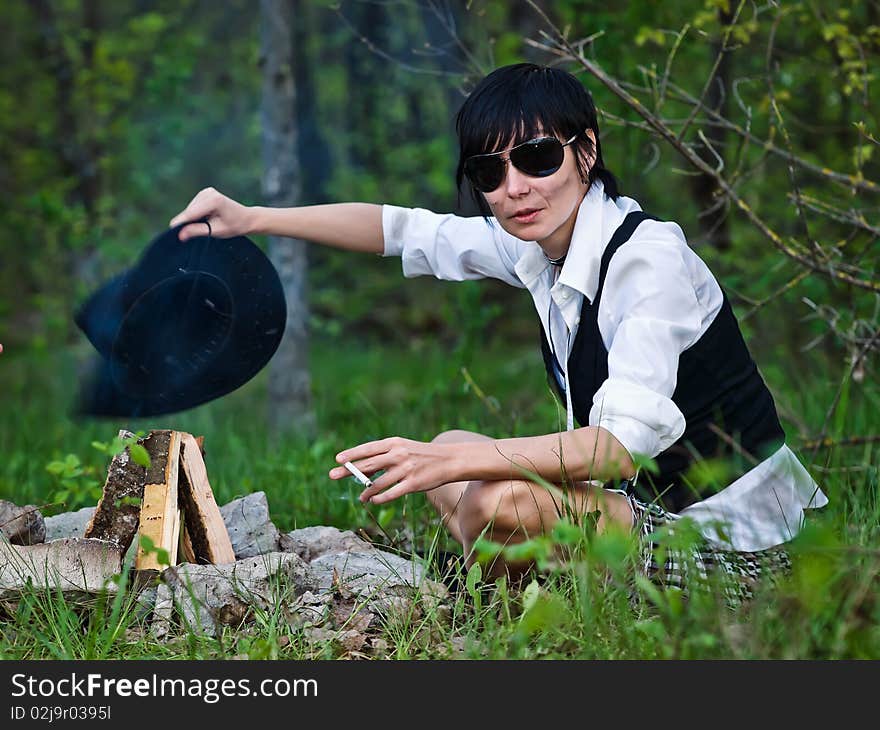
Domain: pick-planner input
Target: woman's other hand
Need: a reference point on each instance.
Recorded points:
(409, 466)
(227, 217)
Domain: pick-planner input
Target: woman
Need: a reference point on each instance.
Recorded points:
(637, 337)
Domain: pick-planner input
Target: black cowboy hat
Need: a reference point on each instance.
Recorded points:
(191, 321)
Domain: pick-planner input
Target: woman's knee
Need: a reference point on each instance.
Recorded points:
(493, 508)
(457, 436)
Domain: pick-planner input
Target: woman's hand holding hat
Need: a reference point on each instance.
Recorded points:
(226, 218)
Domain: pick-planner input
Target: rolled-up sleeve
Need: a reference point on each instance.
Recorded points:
(650, 312)
(448, 246)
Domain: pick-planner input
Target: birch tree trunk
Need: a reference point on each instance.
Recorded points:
(290, 407)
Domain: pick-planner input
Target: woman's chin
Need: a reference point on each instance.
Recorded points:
(533, 231)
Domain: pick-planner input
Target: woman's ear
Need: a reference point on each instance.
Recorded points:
(592, 158)
(589, 157)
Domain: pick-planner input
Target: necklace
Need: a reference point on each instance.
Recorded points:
(556, 262)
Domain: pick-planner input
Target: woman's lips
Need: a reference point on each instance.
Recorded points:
(526, 216)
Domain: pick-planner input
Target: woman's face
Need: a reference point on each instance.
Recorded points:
(541, 209)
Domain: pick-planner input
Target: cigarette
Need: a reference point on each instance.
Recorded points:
(358, 474)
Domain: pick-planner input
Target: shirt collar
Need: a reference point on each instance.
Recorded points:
(597, 219)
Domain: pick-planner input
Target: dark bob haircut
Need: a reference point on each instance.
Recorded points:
(514, 104)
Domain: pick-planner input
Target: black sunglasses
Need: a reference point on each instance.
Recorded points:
(539, 157)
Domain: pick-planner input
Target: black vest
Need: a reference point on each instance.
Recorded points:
(728, 409)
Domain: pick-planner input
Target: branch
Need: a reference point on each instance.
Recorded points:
(827, 443)
(663, 131)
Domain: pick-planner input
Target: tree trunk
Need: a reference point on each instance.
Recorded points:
(714, 220)
(315, 160)
(290, 407)
(78, 150)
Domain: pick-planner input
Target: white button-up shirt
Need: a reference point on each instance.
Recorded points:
(658, 299)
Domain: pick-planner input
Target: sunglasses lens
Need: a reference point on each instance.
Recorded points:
(485, 173)
(539, 158)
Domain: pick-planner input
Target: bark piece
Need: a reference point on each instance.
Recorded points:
(159, 518)
(118, 512)
(21, 525)
(203, 522)
(186, 549)
(74, 565)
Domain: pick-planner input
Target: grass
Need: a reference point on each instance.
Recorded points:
(585, 606)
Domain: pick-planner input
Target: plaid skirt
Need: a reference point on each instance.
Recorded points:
(672, 563)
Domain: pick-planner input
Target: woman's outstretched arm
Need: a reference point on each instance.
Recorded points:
(352, 226)
(413, 466)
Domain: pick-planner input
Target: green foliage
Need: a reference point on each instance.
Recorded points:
(149, 548)
(77, 485)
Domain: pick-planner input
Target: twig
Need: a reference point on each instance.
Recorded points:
(29, 511)
(827, 443)
(836, 400)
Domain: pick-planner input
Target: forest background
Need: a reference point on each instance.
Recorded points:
(751, 124)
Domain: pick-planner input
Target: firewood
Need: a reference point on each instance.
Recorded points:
(158, 514)
(203, 522)
(118, 512)
(186, 548)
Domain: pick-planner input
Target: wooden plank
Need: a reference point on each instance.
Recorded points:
(204, 524)
(186, 549)
(175, 530)
(186, 552)
(159, 508)
(118, 512)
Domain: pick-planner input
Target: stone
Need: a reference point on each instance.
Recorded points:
(384, 582)
(250, 529)
(75, 565)
(68, 524)
(208, 597)
(313, 542)
(309, 609)
(21, 525)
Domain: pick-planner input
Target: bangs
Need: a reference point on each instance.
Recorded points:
(517, 109)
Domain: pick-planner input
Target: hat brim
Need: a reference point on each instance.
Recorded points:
(190, 322)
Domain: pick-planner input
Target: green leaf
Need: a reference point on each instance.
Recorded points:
(149, 547)
(612, 548)
(534, 550)
(474, 576)
(486, 550)
(642, 461)
(530, 596)
(139, 455)
(646, 34)
(565, 533)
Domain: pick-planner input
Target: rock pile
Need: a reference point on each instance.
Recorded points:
(328, 583)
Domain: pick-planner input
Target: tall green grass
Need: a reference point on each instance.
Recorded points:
(585, 604)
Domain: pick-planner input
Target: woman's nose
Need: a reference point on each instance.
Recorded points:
(517, 182)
